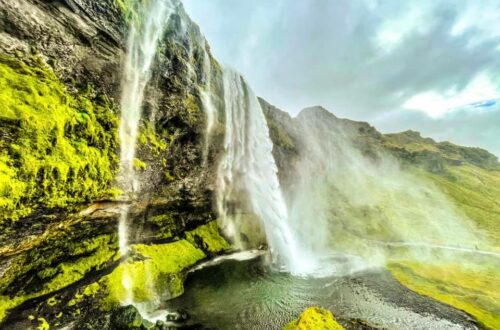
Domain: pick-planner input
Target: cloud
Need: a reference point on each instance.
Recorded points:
(365, 60)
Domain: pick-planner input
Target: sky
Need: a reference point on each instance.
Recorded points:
(430, 66)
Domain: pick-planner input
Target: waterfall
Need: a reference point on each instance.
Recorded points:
(248, 172)
(206, 99)
(145, 31)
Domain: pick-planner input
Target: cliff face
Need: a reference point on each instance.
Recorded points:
(60, 78)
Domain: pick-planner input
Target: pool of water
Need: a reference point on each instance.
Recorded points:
(245, 293)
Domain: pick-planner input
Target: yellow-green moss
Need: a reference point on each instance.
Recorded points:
(211, 240)
(52, 301)
(154, 268)
(314, 318)
(192, 108)
(88, 291)
(148, 137)
(67, 273)
(474, 290)
(476, 192)
(63, 147)
(139, 164)
(43, 324)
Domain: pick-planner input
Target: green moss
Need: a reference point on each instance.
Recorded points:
(88, 291)
(7, 303)
(155, 268)
(63, 147)
(314, 318)
(139, 164)
(476, 192)
(154, 141)
(208, 238)
(193, 112)
(43, 324)
(52, 301)
(474, 290)
(101, 252)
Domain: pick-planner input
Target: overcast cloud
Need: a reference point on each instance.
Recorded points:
(396, 64)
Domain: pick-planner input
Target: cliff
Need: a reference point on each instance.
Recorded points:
(60, 78)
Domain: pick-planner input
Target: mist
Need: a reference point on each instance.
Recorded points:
(345, 200)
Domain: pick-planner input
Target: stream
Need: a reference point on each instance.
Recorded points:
(244, 293)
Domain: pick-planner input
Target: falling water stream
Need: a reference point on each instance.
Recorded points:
(248, 171)
(145, 31)
(206, 99)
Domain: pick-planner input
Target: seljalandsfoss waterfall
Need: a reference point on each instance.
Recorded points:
(145, 184)
(247, 172)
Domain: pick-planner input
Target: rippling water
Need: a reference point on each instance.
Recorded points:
(247, 294)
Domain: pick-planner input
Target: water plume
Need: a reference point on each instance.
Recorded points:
(344, 200)
(247, 174)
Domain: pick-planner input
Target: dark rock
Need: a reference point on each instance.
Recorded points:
(147, 325)
(160, 325)
(178, 316)
(126, 318)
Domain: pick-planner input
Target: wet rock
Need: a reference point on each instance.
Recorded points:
(147, 325)
(160, 325)
(126, 318)
(177, 316)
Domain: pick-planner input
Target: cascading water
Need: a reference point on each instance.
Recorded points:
(145, 31)
(248, 172)
(206, 99)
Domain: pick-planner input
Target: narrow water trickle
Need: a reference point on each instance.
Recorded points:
(145, 31)
(206, 99)
(248, 172)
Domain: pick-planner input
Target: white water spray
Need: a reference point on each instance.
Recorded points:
(248, 173)
(145, 32)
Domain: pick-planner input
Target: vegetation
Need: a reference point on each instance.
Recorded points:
(471, 289)
(207, 238)
(158, 268)
(314, 318)
(155, 268)
(470, 179)
(58, 149)
(475, 191)
(90, 255)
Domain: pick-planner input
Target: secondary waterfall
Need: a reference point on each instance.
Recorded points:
(206, 99)
(248, 172)
(145, 31)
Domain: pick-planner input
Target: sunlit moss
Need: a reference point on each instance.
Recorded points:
(314, 318)
(43, 324)
(208, 237)
(157, 270)
(64, 274)
(139, 164)
(474, 290)
(63, 147)
(154, 141)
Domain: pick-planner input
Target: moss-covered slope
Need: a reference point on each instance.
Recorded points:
(57, 149)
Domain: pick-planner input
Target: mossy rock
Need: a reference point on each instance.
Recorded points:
(63, 147)
(126, 318)
(314, 318)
